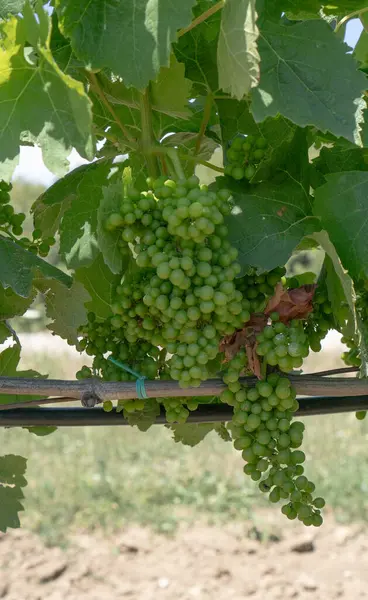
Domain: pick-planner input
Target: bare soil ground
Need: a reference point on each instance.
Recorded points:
(204, 563)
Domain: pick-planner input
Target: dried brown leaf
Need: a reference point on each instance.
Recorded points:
(291, 304)
(245, 338)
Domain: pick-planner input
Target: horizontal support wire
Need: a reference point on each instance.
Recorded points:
(206, 413)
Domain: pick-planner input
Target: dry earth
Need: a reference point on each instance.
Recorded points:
(203, 563)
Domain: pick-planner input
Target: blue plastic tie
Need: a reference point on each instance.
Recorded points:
(139, 384)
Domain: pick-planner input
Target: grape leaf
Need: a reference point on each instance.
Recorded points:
(143, 419)
(221, 430)
(49, 209)
(5, 331)
(12, 305)
(78, 229)
(10, 7)
(142, 32)
(41, 430)
(171, 91)
(18, 267)
(342, 206)
(12, 480)
(294, 63)
(9, 359)
(237, 54)
(110, 242)
(340, 158)
(338, 298)
(268, 213)
(197, 50)
(63, 53)
(345, 280)
(361, 48)
(60, 119)
(190, 434)
(100, 283)
(65, 306)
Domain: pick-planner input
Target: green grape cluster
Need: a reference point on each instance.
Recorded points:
(99, 338)
(10, 222)
(181, 293)
(321, 320)
(352, 356)
(283, 345)
(177, 409)
(264, 431)
(38, 244)
(244, 155)
(257, 289)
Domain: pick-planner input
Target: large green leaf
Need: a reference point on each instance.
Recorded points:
(65, 306)
(49, 208)
(191, 434)
(171, 90)
(131, 38)
(341, 158)
(237, 54)
(197, 49)
(100, 283)
(18, 267)
(9, 360)
(12, 480)
(78, 229)
(361, 49)
(339, 284)
(143, 419)
(268, 221)
(294, 63)
(40, 104)
(343, 208)
(12, 305)
(10, 7)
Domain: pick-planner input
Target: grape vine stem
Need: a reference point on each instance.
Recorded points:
(147, 138)
(208, 13)
(186, 157)
(355, 13)
(99, 91)
(206, 117)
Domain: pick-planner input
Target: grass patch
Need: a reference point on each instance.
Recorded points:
(105, 478)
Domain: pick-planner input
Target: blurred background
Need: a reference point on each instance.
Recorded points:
(116, 513)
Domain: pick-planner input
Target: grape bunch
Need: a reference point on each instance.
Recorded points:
(283, 345)
(180, 294)
(263, 430)
(10, 222)
(99, 338)
(244, 155)
(321, 320)
(352, 357)
(257, 289)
